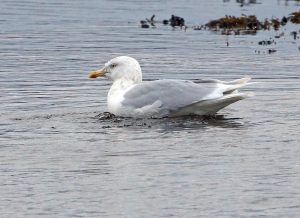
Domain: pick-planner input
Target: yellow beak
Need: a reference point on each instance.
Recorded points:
(97, 73)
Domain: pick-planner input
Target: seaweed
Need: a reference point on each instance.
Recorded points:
(295, 17)
(227, 25)
(244, 23)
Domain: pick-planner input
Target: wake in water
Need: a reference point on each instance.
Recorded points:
(109, 120)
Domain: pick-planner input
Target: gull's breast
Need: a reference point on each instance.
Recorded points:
(115, 98)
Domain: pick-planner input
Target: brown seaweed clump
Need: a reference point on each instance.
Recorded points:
(295, 17)
(232, 22)
(275, 24)
(244, 24)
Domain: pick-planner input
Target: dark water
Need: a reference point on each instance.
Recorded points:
(59, 159)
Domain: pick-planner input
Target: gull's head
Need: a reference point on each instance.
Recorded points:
(122, 67)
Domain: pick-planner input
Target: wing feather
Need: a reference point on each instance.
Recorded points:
(173, 94)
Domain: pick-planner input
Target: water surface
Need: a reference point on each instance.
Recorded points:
(59, 159)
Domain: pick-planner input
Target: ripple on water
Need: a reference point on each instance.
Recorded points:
(61, 158)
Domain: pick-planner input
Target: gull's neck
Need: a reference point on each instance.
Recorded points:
(123, 83)
(120, 85)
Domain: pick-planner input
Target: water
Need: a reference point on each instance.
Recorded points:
(59, 159)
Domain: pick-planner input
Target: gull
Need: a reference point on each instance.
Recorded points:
(129, 96)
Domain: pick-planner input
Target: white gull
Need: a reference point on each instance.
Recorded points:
(129, 96)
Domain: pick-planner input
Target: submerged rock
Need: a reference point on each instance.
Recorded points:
(284, 21)
(266, 42)
(144, 24)
(294, 34)
(174, 21)
(270, 51)
(165, 22)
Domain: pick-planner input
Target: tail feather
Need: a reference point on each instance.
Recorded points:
(233, 86)
(239, 81)
(212, 105)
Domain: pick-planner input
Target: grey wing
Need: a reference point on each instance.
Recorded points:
(172, 94)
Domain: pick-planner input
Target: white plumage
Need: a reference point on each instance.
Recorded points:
(129, 96)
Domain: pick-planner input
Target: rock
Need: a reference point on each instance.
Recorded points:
(165, 22)
(144, 24)
(294, 33)
(284, 21)
(176, 21)
(266, 42)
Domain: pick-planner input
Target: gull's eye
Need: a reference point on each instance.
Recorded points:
(113, 65)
